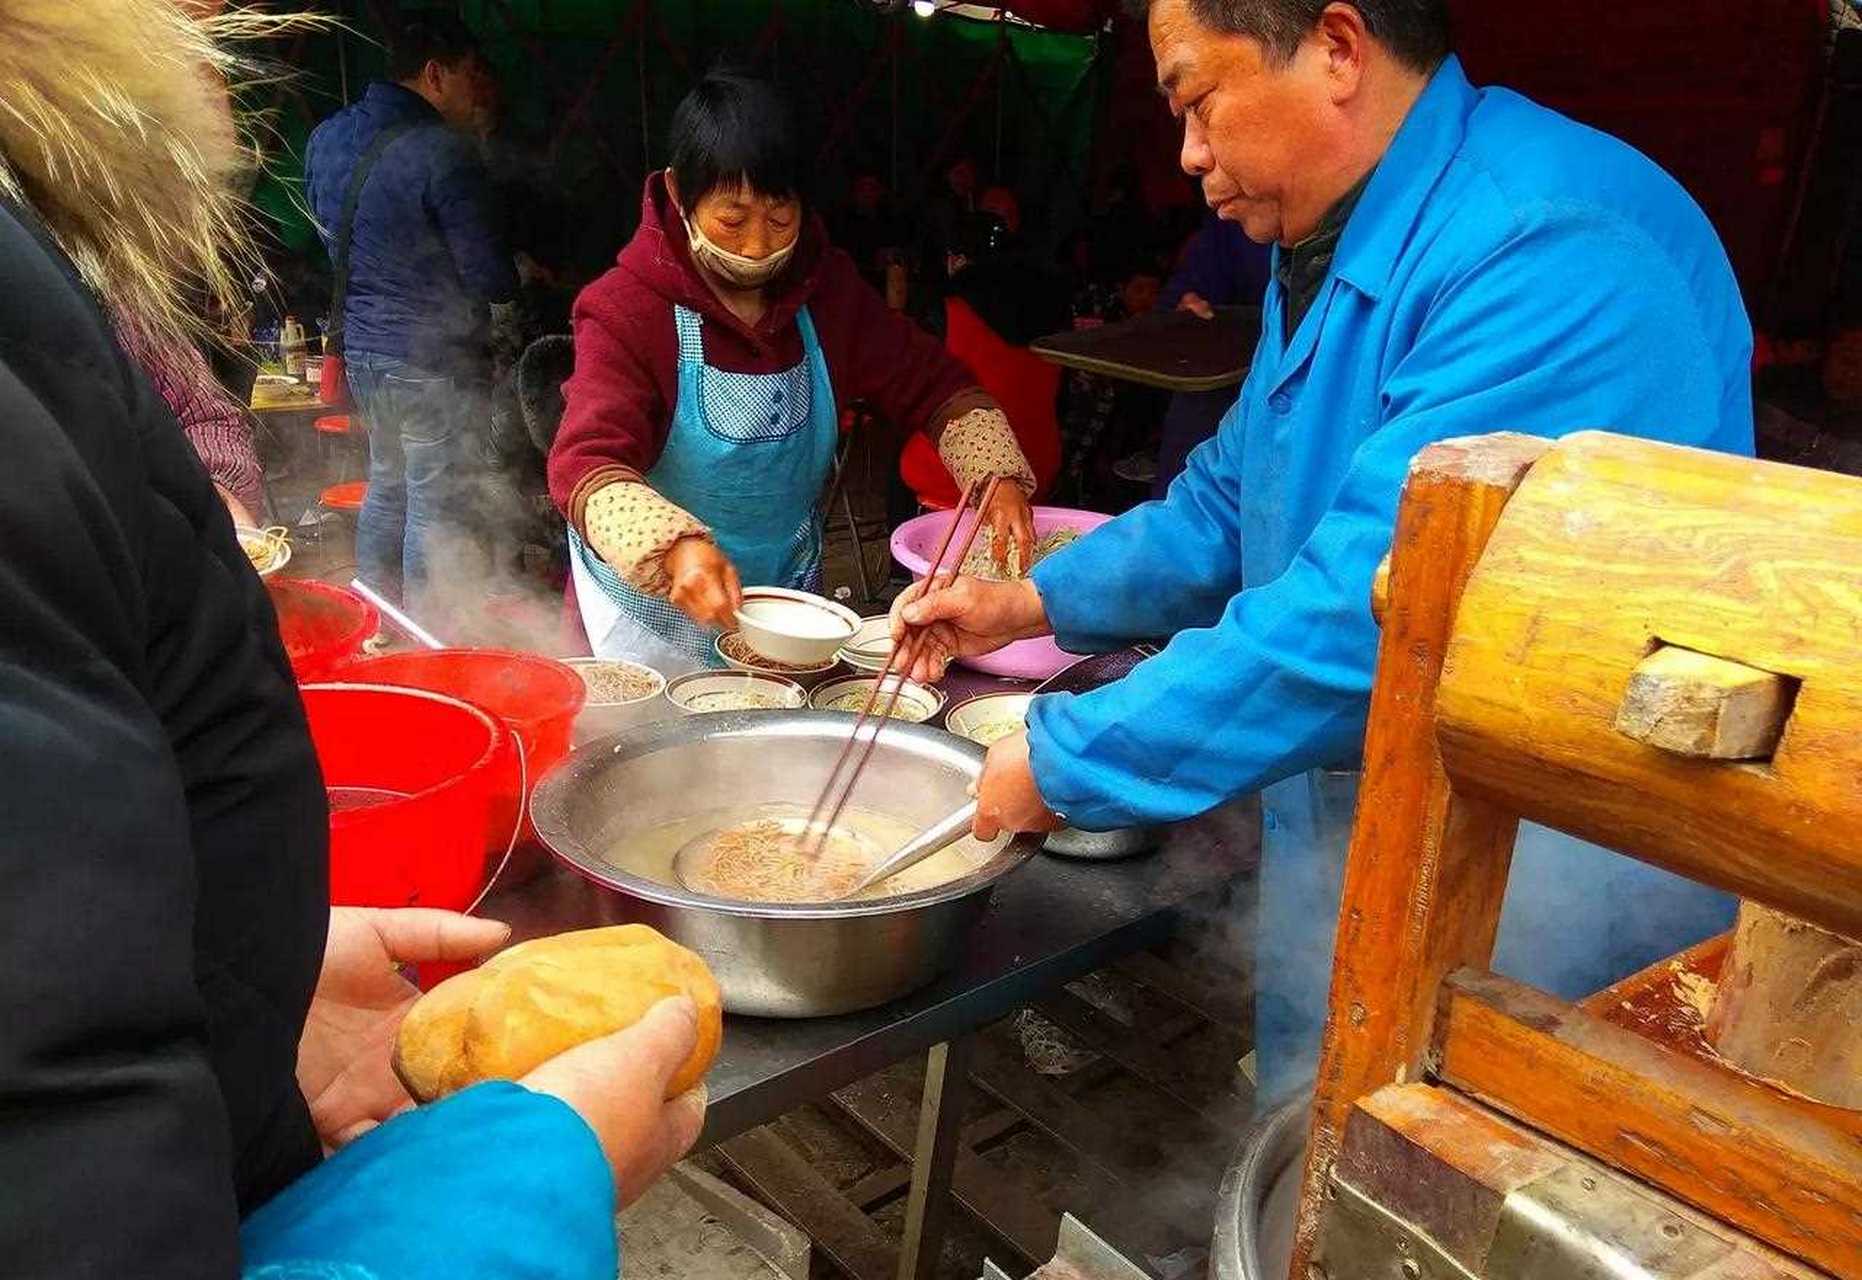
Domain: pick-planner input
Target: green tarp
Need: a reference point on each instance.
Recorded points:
(590, 86)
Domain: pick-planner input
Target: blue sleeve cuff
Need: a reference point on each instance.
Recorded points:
(494, 1182)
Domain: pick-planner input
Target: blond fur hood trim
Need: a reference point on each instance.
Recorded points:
(117, 129)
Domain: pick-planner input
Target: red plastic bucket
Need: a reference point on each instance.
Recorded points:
(322, 626)
(413, 779)
(537, 698)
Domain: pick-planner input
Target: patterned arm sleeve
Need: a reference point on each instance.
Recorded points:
(632, 527)
(217, 428)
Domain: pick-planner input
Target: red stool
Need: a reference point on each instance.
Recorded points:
(335, 431)
(346, 497)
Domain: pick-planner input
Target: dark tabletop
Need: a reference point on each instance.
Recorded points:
(1174, 350)
(1047, 924)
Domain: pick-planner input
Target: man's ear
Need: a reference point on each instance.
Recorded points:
(1345, 41)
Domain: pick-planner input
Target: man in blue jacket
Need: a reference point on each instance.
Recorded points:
(1449, 261)
(427, 270)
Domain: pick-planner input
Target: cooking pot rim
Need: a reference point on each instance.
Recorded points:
(550, 803)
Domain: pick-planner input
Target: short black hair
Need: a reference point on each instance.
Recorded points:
(1418, 32)
(431, 37)
(733, 130)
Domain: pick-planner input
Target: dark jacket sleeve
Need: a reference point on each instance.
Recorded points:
(459, 200)
(115, 1149)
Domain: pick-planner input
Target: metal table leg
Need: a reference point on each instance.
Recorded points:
(940, 1133)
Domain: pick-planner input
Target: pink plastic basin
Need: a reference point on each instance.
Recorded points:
(915, 542)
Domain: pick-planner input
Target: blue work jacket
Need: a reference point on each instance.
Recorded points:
(427, 253)
(1506, 270)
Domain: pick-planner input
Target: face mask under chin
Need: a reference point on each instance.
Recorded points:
(735, 268)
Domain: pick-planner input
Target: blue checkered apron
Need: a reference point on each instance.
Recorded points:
(747, 454)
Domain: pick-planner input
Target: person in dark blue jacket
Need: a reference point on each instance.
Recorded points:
(428, 271)
(1220, 267)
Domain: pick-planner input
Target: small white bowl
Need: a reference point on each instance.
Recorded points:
(870, 648)
(989, 717)
(737, 654)
(703, 691)
(917, 703)
(794, 626)
(599, 719)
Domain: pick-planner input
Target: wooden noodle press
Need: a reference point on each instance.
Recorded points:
(1659, 650)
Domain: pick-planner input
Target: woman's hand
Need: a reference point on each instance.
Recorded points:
(963, 619)
(618, 1085)
(1007, 798)
(705, 587)
(1011, 523)
(344, 1056)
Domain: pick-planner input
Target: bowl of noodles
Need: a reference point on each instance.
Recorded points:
(1055, 528)
(269, 550)
(766, 906)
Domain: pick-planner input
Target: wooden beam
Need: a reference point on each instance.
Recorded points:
(1427, 871)
(1709, 1136)
(1788, 1007)
(782, 1178)
(1616, 545)
(884, 1183)
(1153, 1057)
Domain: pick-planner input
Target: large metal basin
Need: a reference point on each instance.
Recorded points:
(1260, 1194)
(776, 960)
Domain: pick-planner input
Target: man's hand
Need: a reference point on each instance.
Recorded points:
(618, 1085)
(962, 619)
(1011, 524)
(705, 587)
(1194, 303)
(1007, 798)
(344, 1056)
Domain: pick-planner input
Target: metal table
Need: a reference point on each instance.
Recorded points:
(1174, 350)
(1048, 924)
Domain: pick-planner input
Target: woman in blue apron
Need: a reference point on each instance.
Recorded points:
(702, 421)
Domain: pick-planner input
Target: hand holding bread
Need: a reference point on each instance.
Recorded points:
(538, 999)
(619, 1023)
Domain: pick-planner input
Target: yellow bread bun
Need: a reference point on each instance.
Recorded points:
(538, 999)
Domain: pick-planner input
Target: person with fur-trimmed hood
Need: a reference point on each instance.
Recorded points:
(187, 1026)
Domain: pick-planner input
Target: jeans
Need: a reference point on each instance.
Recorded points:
(1576, 918)
(411, 534)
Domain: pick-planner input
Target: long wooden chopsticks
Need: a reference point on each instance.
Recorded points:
(904, 654)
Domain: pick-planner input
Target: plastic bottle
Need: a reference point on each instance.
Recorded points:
(294, 347)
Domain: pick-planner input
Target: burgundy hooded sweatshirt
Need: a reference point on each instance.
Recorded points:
(619, 402)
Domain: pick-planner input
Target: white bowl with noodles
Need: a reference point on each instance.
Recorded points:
(703, 691)
(735, 652)
(794, 627)
(269, 550)
(988, 718)
(917, 703)
(621, 694)
(870, 648)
